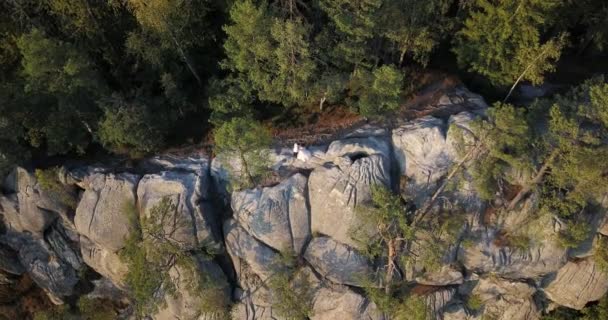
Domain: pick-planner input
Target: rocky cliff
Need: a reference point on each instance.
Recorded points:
(308, 212)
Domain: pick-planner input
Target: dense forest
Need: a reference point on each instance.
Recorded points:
(135, 76)
(83, 78)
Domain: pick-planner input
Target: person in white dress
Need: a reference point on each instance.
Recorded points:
(304, 154)
(296, 149)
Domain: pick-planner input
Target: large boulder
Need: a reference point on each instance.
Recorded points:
(337, 262)
(261, 259)
(440, 300)
(339, 302)
(505, 300)
(485, 251)
(105, 262)
(51, 273)
(277, 216)
(64, 242)
(422, 154)
(193, 221)
(576, 284)
(337, 188)
(184, 303)
(35, 208)
(102, 213)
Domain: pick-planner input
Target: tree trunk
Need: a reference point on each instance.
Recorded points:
(521, 76)
(429, 204)
(322, 102)
(539, 176)
(390, 267)
(246, 167)
(187, 60)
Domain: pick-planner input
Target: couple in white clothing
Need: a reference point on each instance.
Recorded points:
(301, 153)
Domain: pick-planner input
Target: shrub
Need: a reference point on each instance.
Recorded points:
(600, 254)
(292, 295)
(574, 233)
(474, 302)
(131, 128)
(245, 140)
(150, 255)
(49, 182)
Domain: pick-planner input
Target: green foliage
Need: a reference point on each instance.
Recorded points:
(85, 309)
(409, 307)
(594, 311)
(243, 140)
(271, 52)
(501, 41)
(292, 295)
(150, 254)
(386, 218)
(56, 313)
(474, 302)
(131, 127)
(61, 84)
(519, 241)
(551, 148)
(170, 30)
(95, 309)
(230, 97)
(600, 253)
(384, 94)
(505, 137)
(574, 234)
(48, 180)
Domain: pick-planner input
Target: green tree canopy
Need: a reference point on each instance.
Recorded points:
(552, 148)
(242, 144)
(501, 40)
(62, 86)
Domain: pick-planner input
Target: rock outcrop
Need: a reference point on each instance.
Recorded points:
(102, 214)
(191, 225)
(339, 187)
(576, 284)
(105, 262)
(303, 222)
(504, 300)
(277, 216)
(241, 245)
(337, 262)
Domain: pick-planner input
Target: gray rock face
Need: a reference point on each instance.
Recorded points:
(338, 188)
(250, 311)
(421, 151)
(9, 261)
(105, 262)
(193, 224)
(483, 255)
(438, 301)
(241, 245)
(457, 312)
(357, 147)
(277, 216)
(576, 283)
(444, 277)
(184, 305)
(506, 300)
(45, 267)
(36, 209)
(101, 214)
(64, 243)
(342, 303)
(337, 262)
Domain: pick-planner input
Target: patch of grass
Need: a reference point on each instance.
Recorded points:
(48, 180)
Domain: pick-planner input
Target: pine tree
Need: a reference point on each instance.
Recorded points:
(245, 141)
(501, 40)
